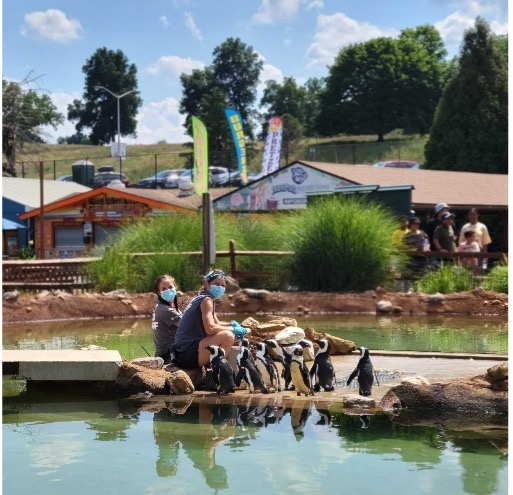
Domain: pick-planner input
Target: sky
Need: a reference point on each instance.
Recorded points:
(52, 39)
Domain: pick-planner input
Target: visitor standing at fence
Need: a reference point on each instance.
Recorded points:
(481, 230)
(444, 238)
(200, 327)
(417, 243)
(435, 222)
(166, 317)
(399, 233)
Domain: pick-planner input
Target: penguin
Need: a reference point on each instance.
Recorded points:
(364, 372)
(299, 373)
(322, 373)
(285, 358)
(249, 372)
(267, 368)
(298, 419)
(222, 372)
(245, 343)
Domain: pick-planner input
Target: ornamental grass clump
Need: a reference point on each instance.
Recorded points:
(497, 279)
(447, 279)
(342, 244)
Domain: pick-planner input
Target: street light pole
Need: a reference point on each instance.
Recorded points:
(118, 97)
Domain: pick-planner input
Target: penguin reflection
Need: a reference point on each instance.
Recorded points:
(199, 429)
(299, 414)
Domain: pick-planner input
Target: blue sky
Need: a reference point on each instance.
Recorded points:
(163, 38)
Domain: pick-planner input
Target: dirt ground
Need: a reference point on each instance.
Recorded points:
(57, 305)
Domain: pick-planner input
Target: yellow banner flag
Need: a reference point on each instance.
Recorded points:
(200, 172)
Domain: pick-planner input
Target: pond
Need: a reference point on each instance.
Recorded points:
(481, 335)
(85, 447)
(63, 444)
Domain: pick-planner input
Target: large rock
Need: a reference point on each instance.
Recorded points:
(290, 335)
(462, 396)
(338, 345)
(134, 378)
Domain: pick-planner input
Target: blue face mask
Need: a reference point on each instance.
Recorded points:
(216, 291)
(168, 294)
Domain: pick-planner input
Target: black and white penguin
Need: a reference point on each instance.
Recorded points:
(364, 372)
(299, 373)
(267, 368)
(285, 358)
(322, 373)
(245, 343)
(222, 372)
(249, 372)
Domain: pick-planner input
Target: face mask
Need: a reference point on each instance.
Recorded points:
(216, 291)
(168, 294)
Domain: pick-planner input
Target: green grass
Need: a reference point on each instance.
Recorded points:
(497, 279)
(142, 160)
(447, 279)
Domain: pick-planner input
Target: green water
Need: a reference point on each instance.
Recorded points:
(85, 447)
(129, 336)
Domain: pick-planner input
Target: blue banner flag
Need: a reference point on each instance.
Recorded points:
(235, 122)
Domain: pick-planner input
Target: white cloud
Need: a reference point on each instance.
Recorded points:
(160, 121)
(164, 21)
(273, 11)
(191, 26)
(315, 4)
(156, 121)
(174, 65)
(452, 27)
(52, 25)
(270, 72)
(337, 31)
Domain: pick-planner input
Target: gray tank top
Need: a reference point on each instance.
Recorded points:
(191, 329)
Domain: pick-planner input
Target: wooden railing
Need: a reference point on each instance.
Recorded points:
(46, 274)
(72, 273)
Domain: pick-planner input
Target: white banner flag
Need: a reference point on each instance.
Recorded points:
(272, 150)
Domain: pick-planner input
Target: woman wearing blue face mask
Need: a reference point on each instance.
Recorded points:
(200, 326)
(166, 317)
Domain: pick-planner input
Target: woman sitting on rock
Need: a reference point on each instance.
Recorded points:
(200, 327)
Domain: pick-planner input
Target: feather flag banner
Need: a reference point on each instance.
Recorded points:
(272, 149)
(200, 172)
(235, 122)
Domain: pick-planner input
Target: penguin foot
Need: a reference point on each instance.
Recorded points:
(317, 387)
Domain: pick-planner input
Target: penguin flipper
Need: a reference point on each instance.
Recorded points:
(352, 376)
(240, 376)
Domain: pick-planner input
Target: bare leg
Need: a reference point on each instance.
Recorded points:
(223, 339)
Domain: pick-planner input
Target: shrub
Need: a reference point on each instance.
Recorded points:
(447, 279)
(497, 279)
(342, 244)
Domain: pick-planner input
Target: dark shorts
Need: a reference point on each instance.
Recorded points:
(188, 359)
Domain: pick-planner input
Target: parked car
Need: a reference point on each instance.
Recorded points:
(236, 180)
(398, 164)
(166, 179)
(65, 178)
(218, 176)
(105, 178)
(105, 168)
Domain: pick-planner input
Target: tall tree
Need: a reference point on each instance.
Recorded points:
(24, 111)
(98, 111)
(236, 68)
(470, 129)
(384, 84)
(233, 76)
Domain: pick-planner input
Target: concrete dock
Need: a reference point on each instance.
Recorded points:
(61, 365)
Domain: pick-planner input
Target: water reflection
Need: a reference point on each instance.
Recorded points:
(226, 443)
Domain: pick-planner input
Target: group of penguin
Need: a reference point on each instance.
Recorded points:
(260, 372)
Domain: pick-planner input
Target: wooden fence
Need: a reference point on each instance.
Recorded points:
(72, 273)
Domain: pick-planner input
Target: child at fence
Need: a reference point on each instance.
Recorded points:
(166, 317)
(470, 245)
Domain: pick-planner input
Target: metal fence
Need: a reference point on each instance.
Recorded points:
(138, 165)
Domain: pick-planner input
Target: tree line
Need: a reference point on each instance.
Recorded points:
(372, 87)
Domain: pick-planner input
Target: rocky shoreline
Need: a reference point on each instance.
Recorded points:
(60, 305)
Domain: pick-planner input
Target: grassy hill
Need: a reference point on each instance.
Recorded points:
(143, 160)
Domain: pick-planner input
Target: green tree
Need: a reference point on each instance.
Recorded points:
(24, 111)
(98, 109)
(77, 138)
(470, 129)
(293, 133)
(234, 75)
(384, 84)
